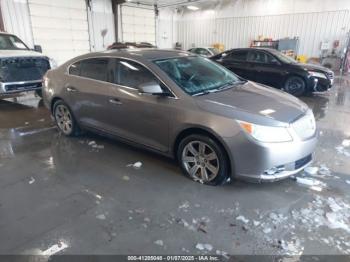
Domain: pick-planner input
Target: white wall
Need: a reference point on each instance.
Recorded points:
(235, 23)
(166, 28)
(101, 19)
(17, 20)
(138, 24)
(60, 27)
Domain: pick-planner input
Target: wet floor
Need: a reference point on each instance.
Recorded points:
(83, 196)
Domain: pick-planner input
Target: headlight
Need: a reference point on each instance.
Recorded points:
(53, 63)
(317, 74)
(266, 134)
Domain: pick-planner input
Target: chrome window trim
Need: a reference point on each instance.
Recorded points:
(128, 87)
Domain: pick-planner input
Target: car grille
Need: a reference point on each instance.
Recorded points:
(303, 161)
(17, 69)
(22, 86)
(305, 127)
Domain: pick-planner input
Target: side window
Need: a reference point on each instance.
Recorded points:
(259, 57)
(94, 68)
(240, 56)
(132, 74)
(203, 51)
(74, 69)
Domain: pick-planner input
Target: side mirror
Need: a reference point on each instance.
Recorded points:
(152, 88)
(37, 48)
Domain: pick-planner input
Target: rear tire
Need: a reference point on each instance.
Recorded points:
(203, 160)
(64, 119)
(295, 85)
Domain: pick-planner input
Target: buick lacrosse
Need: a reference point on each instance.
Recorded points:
(217, 125)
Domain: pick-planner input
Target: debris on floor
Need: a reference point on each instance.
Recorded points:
(136, 165)
(311, 170)
(243, 219)
(204, 247)
(93, 194)
(95, 146)
(126, 178)
(341, 150)
(31, 181)
(291, 248)
(267, 230)
(54, 249)
(159, 242)
(222, 253)
(184, 205)
(346, 143)
(311, 183)
(101, 217)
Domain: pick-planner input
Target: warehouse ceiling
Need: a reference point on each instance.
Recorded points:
(167, 3)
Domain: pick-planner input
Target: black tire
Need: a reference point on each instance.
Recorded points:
(39, 93)
(73, 129)
(221, 164)
(295, 85)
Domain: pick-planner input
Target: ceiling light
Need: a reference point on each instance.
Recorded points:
(192, 7)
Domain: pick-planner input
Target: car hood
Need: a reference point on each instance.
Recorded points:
(19, 53)
(254, 103)
(312, 67)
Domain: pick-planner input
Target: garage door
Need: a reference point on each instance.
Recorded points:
(60, 27)
(138, 24)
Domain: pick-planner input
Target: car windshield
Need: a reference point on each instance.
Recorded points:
(214, 50)
(11, 42)
(284, 58)
(198, 75)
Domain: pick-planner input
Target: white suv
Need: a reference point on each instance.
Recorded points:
(21, 69)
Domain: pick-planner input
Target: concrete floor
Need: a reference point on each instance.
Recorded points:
(68, 194)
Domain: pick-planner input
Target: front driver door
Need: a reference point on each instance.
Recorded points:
(138, 117)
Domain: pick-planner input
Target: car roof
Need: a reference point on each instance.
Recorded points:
(253, 48)
(146, 53)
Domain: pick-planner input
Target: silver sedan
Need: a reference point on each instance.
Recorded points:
(217, 125)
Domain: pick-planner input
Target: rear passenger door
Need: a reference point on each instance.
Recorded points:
(236, 61)
(88, 92)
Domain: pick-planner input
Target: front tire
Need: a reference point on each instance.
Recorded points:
(295, 85)
(64, 118)
(203, 160)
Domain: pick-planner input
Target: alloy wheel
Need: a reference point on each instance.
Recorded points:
(64, 119)
(200, 161)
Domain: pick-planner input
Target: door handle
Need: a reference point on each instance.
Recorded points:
(115, 101)
(71, 89)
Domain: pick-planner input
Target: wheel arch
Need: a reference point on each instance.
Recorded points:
(202, 131)
(53, 101)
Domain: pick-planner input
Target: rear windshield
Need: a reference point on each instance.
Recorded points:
(11, 42)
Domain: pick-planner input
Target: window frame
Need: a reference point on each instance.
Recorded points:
(268, 55)
(171, 93)
(228, 58)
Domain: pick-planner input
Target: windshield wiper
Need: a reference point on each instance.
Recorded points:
(225, 86)
(202, 93)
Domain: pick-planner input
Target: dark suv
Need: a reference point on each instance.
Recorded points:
(272, 68)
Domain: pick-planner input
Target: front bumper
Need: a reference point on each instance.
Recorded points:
(316, 84)
(8, 88)
(255, 161)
